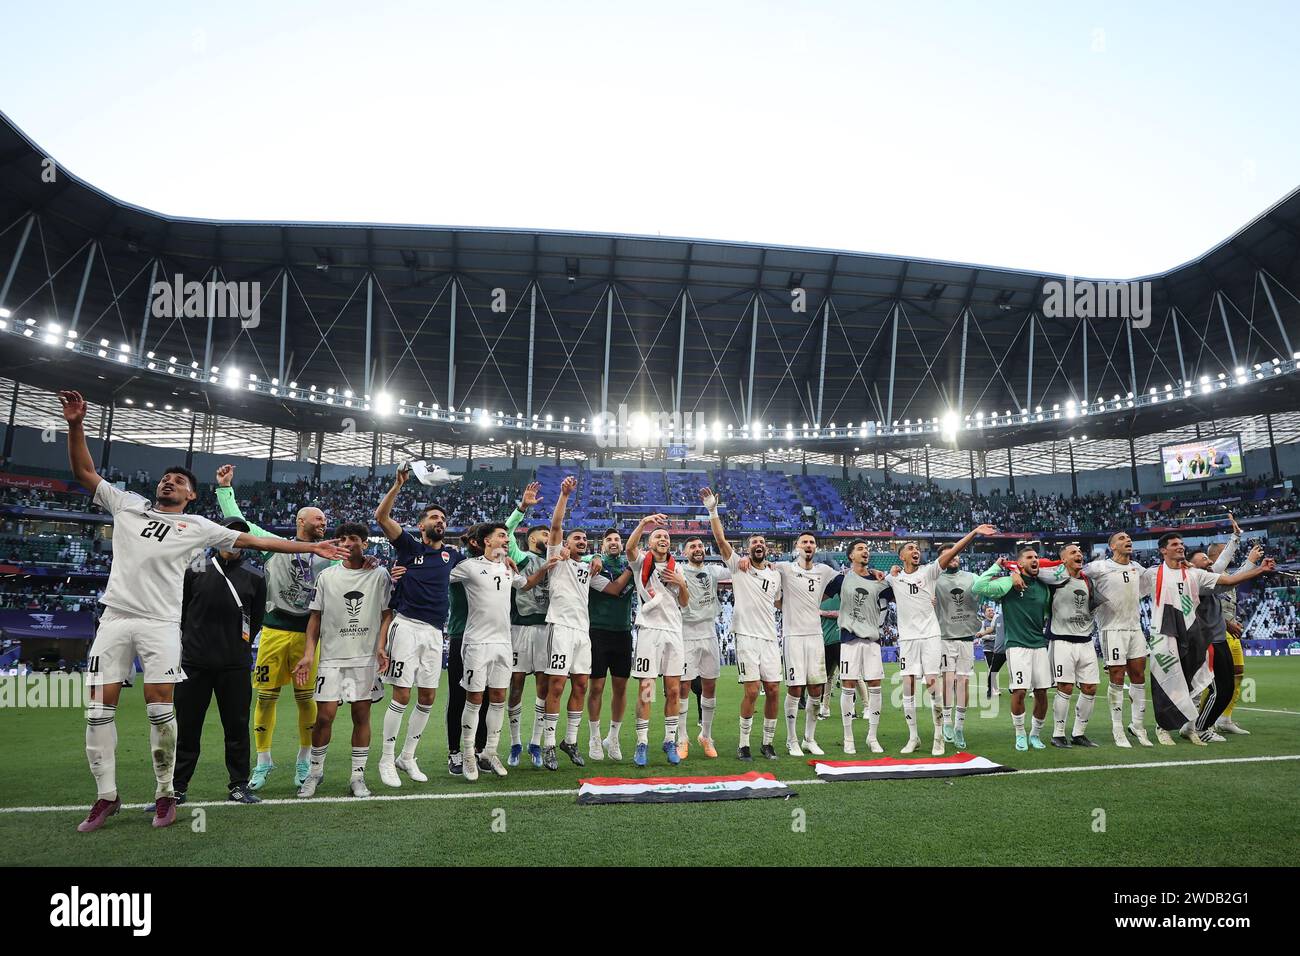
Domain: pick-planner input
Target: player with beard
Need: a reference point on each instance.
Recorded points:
(1026, 601)
(610, 617)
(568, 656)
(802, 585)
(412, 645)
(920, 639)
(861, 591)
(961, 622)
(700, 644)
(757, 593)
(153, 544)
(1072, 657)
(662, 593)
(290, 581)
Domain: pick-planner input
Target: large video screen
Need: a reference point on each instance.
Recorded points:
(1207, 459)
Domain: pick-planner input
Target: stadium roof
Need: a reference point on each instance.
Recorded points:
(368, 309)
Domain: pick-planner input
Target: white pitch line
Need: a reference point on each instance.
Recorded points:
(1265, 710)
(501, 794)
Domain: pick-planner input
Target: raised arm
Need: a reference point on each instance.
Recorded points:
(83, 466)
(1244, 573)
(1229, 551)
(557, 514)
(384, 513)
(230, 507)
(635, 539)
(947, 557)
(619, 584)
(329, 550)
(517, 554)
(990, 585)
(719, 533)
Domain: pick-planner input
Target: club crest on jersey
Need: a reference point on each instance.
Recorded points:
(446, 558)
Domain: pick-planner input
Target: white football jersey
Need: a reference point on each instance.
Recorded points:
(151, 550)
(914, 597)
(487, 592)
(351, 604)
(802, 594)
(756, 593)
(702, 603)
(657, 602)
(1120, 587)
(568, 584)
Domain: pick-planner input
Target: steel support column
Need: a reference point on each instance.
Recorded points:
(106, 451)
(189, 449)
(681, 358)
(284, 323)
(1132, 366)
(18, 255)
(893, 366)
(270, 456)
(207, 341)
(1029, 382)
(1277, 316)
(974, 489)
(604, 379)
(370, 315)
(374, 451)
(821, 369)
(1133, 465)
(1011, 474)
(1268, 423)
(320, 455)
(1074, 480)
(451, 349)
(753, 352)
(961, 375)
(13, 416)
(1178, 344)
(1227, 329)
(85, 280)
(927, 464)
(532, 338)
(1086, 394)
(148, 297)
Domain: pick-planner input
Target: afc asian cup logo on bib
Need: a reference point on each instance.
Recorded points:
(352, 603)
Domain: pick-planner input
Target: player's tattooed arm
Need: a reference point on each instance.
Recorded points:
(83, 465)
(949, 555)
(719, 533)
(302, 670)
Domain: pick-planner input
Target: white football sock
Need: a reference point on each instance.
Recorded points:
(571, 727)
(959, 718)
(791, 716)
(1036, 727)
(769, 730)
(875, 697)
(264, 757)
(548, 729)
(810, 717)
(1115, 697)
(746, 725)
(1018, 721)
(317, 757)
(101, 747)
(1082, 713)
(670, 730)
(848, 705)
(707, 707)
(304, 753)
(359, 757)
(909, 715)
(469, 728)
(162, 744)
(539, 723)
(415, 728)
(1060, 713)
(516, 714)
(392, 724)
(1137, 696)
(495, 718)
(642, 731)
(683, 719)
(614, 727)
(593, 728)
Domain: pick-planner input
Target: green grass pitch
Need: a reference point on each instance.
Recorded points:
(1203, 814)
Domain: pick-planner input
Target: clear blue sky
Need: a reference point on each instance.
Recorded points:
(1102, 139)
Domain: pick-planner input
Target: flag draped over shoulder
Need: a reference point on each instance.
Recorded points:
(1180, 664)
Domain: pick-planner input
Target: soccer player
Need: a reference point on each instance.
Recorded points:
(1025, 600)
(568, 656)
(457, 620)
(1118, 581)
(920, 641)
(348, 612)
(530, 635)
(1072, 657)
(802, 585)
(961, 621)
(610, 615)
(860, 592)
(487, 649)
(662, 593)
(153, 544)
(1225, 724)
(290, 580)
(830, 614)
(1211, 612)
(412, 645)
(995, 647)
(1177, 589)
(703, 657)
(757, 594)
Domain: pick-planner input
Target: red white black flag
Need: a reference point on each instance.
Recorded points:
(747, 786)
(894, 768)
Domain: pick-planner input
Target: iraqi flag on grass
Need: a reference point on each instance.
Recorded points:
(748, 786)
(895, 768)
